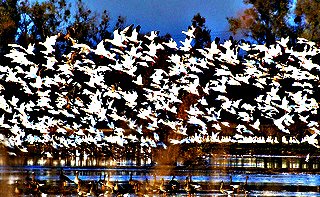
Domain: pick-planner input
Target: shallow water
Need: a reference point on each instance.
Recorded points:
(266, 183)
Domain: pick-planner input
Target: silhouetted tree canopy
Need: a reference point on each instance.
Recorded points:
(9, 19)
(24, 23)
(308, 19)
(267, 21)
(264, 21)
(202, 34)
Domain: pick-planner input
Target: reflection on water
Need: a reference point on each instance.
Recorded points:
(267, 162)
(72, 161)
(246, 161)
(268, 175)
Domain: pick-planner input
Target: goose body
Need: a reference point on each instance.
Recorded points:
(27, 178)
(226, 189)
(93, 189)
(196, 185)
(108, 184)
(155, 185)
(64, 179)
(77, 179)
(19, 188)
(134, 184)
(174, 184)
(83, 188)
(147, 187)
(117, 189)
(33, 184)
(245, 188)
(101, 182)
(163, 189)
(188, 187)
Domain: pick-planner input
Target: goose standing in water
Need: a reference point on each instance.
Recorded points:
(101, 182)
(94, 189)
(117, 190)
(195, 185)
(147, 187)
(155, 184)
(135, 185)
(64, 179)
(188, 187)
(226, 189)
(84, 189)
(108, 184)
(77, 179)
(245, 188)
(174, 184)
(131, 181)
(27, 178)
(163, 189)
(19, 188)
(32, 185)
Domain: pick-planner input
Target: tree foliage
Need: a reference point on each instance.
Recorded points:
(9, 19)
(264, 21)
(41, 20)
(308, 19)
(201, 34)
(25, 23)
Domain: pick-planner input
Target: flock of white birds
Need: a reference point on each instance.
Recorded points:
(192, 95)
